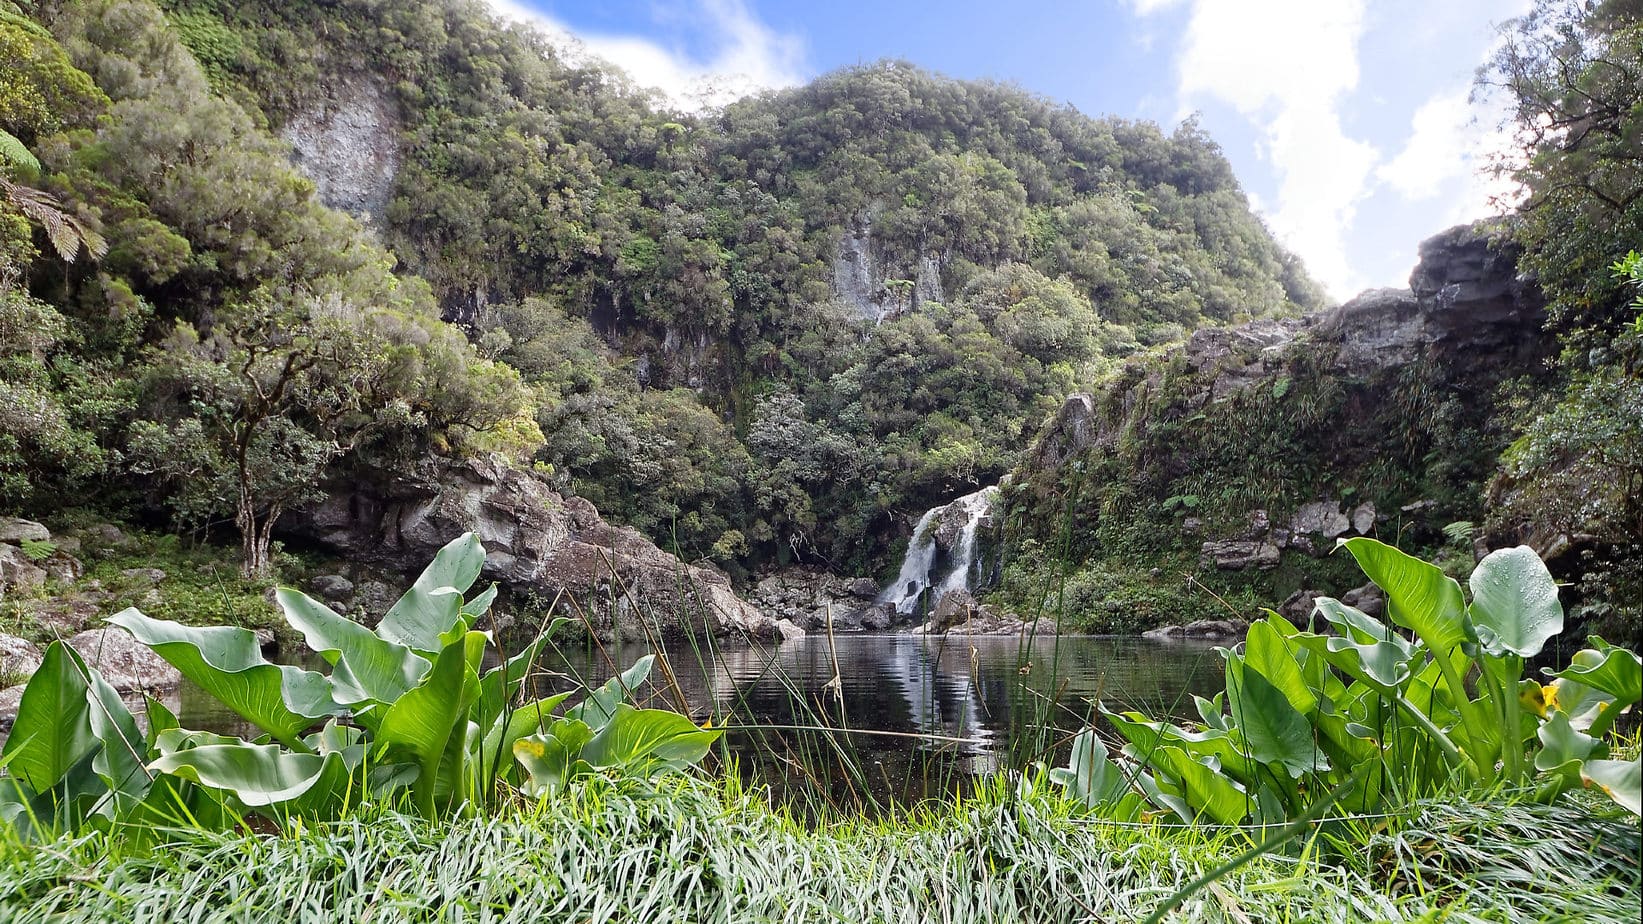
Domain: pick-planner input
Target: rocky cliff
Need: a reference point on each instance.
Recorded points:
(538, 542)
(1234, 462)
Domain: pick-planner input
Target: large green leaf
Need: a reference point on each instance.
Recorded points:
(419, 724)
(1145, 737)
(1275, 732)
(124, 749)
(365, 666)
(1208, 792)
(257, 774)
(1514, 602)
(433, 605)
(228, 664)
(547, 763)
(601, 704)
(52, 733)
(1563, 748)
(14, 151)
(1609, 668)
(1621, 779)
(527, 719)
(1382, 665)
(1419, 595)
(1269, 652)
(641, 740)
(1090, 776)
(1359, 626)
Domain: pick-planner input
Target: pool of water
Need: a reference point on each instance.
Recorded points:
(865, 719)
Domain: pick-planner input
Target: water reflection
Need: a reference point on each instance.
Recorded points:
(906, 716)
(920, 713)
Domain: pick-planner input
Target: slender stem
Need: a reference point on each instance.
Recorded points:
(1453, 753)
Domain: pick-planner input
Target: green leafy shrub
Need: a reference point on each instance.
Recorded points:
(1442, 703)
(407, 710)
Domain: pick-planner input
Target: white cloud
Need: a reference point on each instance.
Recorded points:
(1286, 65)
(748, 56)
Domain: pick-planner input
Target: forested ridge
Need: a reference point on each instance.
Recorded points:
(662, 295)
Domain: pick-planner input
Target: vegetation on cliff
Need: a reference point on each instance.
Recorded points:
(692, 300)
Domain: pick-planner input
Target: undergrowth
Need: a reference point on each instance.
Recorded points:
(698, 851)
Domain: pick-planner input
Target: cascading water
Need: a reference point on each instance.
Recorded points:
(916, 577)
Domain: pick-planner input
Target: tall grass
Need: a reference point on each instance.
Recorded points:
(694, 851)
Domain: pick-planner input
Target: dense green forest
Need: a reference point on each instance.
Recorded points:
(772, 332)
(658, 290)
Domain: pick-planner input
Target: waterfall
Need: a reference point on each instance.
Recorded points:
(915, 568)
(916, 577)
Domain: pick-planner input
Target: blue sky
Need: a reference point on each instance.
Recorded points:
(1347, 121)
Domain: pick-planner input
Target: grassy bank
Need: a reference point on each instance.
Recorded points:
(699, 851)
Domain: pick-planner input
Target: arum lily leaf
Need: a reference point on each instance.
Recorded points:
(1608, 668)
(52, 733)
(1359, 626)
(1208, 792)
(434, 603)
(1273, 657)
(257, 774)
(1419, 596)
(420, 723)
(124, 749)
(639, 740)
(1275, 732)
(366, 667)
(1090, 776)
(547, 763)
(527, 719)
(1563, 749)
(1514, 602)
(601, 704)
(228, 664)
(1621, 779)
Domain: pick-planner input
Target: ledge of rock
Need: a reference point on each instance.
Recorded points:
(1199, 629)
(536, 541)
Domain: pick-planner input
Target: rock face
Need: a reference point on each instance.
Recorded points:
(349, 147)
(862, 281)
(18, 657)
(537, 542)
(125, 663)
(15, 531)
(807, 597)
(1465, 299)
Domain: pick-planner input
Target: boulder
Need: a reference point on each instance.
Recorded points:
(18, 570)
(954, 607)
(1298, 607)
(1363, 519)
(863, 588)
(19, 657)
(1199, 629)
(1367, 598)
(536, 541)
(144, 575)
(11, 698)
(125, 663)
(1239, 555)
(332, 587)
(16, 531)
(1323, 518)
(63, 567)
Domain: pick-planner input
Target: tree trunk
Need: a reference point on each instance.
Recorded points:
(256, 534)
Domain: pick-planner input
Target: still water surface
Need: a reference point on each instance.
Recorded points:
(920, 715)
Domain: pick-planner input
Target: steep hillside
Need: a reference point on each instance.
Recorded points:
(777, 331)
(1228, 466)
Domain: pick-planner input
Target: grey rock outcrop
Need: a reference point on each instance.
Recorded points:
(349, 146)
(536, 541)
(18, 657)
(127, 664)
(1239, 554)
(861, 279)
(16, 531)
(809, 597)
(18, 570)
(1199, 629)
